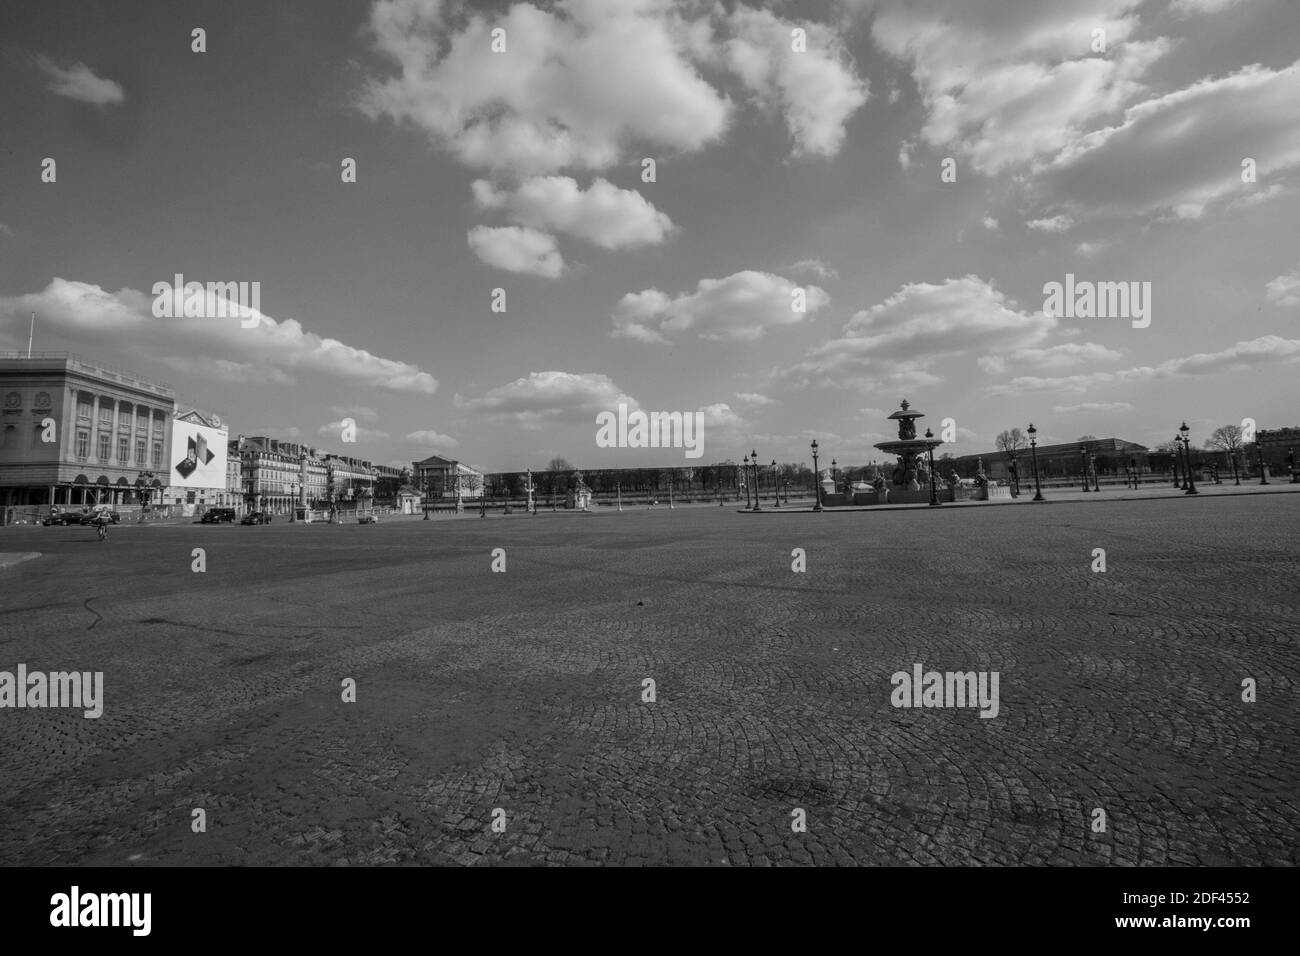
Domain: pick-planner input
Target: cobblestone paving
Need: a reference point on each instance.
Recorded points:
(523, 690)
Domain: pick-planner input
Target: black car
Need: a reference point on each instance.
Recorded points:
(257, 517)
(217, 515)
(63, 518)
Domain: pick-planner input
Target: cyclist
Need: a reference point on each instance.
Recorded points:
(101, 522)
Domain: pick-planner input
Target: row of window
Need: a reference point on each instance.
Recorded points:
(123, 450)
(142, 416)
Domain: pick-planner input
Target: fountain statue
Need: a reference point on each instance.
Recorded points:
(910, 470)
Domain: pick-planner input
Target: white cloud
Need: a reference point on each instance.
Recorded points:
(816, 90)
(990, 223)
(79, 82)
(816, 267)
(1092, 407)
(604, 215)
(1191, 7)
(335, 429)
(551, 396)
(517, 249)
(1250, 355)
(270, 352)
(1008, 81)
(429, 437)
(1285, 289)
(355, 412)
(1054, 224)
(905, 154)
(1179, 153)
(1053, 357)
(754, 398)
(577, 86)
(899, 339)
(739, 308)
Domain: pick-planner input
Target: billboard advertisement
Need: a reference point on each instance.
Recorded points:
(198, 455)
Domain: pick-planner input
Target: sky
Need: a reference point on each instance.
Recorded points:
(916, 172)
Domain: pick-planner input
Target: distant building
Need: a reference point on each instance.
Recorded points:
(76, 433)
(1276, 444)
(445, 478)
(1054, 461)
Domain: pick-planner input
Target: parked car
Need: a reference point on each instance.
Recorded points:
(63, 518)
(217, 515)
(369, 518)
(256, 517)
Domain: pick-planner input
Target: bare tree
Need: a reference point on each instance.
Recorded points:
(1010, 442)
(1229, 440)
(1087, 438)
(558, 464)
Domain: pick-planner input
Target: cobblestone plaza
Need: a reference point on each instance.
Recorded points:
(523, 691)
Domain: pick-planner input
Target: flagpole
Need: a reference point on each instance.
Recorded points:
(31, 332)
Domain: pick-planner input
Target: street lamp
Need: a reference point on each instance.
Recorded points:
(1259, 452)
(758, 506)
(1083, 467)
(748, 504)
(934, 493)
(672, 479)
(1096, 482)
(293, 510)
(1033, 451)
(776, 487)
(817, 491)
(1187, 447)
(1290, 464)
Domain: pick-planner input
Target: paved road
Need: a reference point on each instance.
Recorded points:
(523, 691)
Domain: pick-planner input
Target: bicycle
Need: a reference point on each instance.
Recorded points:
(102, 530)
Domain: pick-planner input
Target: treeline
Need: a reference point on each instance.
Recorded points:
(720, 477)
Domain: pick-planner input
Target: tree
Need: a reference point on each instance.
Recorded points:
(1087, 438)
(1010, 442)
(1228, 439)
(558, 464)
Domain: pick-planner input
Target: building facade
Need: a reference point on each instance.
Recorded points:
(76, 433)
(198, 471)
(1111, 456)
(1275, 444)
(443, 478)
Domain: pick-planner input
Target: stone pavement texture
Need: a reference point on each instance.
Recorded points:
(523, 690)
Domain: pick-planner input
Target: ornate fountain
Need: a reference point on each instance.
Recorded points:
(911, 468)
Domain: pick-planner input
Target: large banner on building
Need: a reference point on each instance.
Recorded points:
(198, 456)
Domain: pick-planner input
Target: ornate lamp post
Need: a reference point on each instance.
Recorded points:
(1092, 464)
(758, 506)
(672, 480)
(1259, 453)
(618, 488)
(835, 474)
(1290, 464)
(293, 511)
(1083, 467)
(934, 491)
(787, 492)
(817, 491)
(1187, 448)
(1033, 451)
(748, 504)
(776, 487)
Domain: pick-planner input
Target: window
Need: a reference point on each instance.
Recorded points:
(139, 452)
(157, 454)
(83, 444)
(103, 446)
(124, 418)
(123, 452)
(105, 416)
(83, 408)
(11, 437)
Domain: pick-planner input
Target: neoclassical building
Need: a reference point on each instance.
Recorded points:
(76, 433)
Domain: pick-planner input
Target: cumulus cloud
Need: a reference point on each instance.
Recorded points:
(1092, 407)
(547, 397)
(578, 84)
(816, 90)
(1178, 153)
(754, 398)
(739, 308)
(435, 439)
(1192, 7)
(1053, 357)
(603, 215)
(79, 82)
(1007, 81)
(1249, 355)
(900, 338)
(272, 351)
(1285, 289)
(1057, 223)
(517, 249)
(815, 266)
(335, 430)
